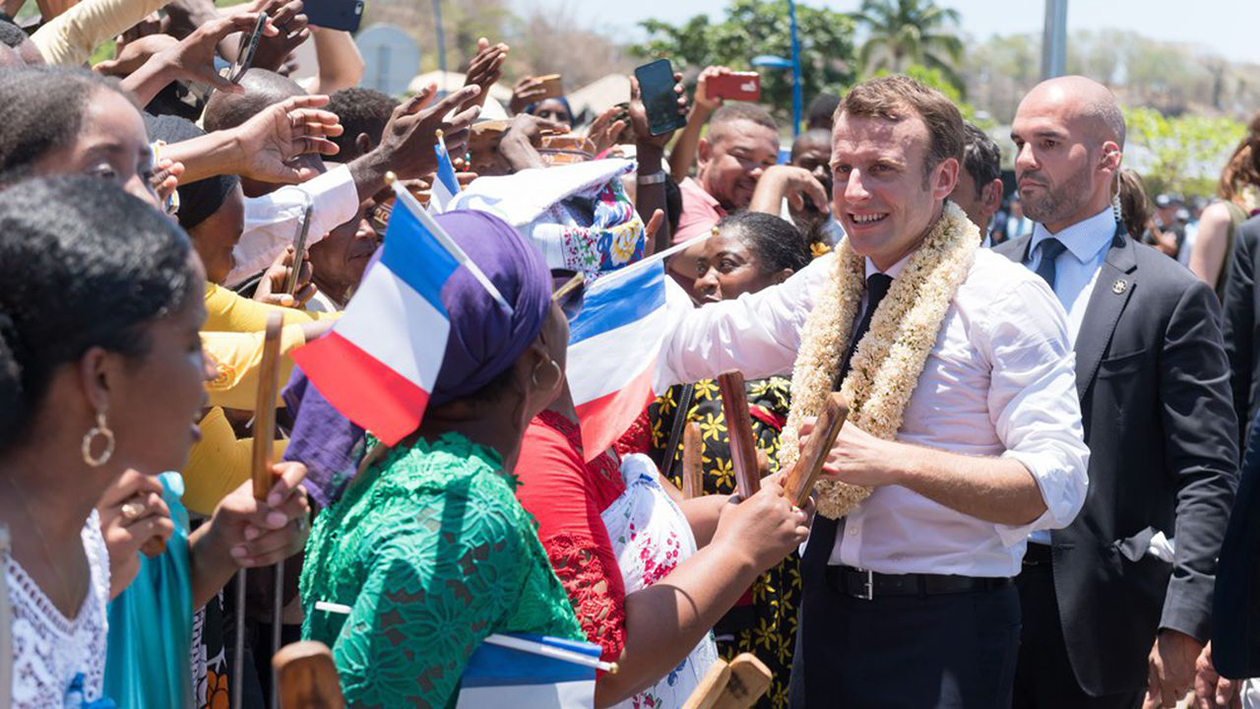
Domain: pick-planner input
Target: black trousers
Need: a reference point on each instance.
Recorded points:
(904, 652)
(1044, 678)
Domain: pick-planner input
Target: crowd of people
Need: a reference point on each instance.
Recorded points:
(1041, 496)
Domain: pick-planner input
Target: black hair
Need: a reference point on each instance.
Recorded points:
(11, 35)
(199, 200)
(739, 111)
(263, 89)
(360, 111)
(84, 265)
(822, 111)
(777, 244)
(982, 159)
(41, 109)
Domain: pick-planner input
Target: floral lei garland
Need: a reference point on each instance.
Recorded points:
(890, 357)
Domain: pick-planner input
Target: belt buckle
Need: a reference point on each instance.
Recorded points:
(868, 592)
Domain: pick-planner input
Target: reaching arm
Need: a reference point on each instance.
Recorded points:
(1209, 248)
(340, 64)
(683, 156)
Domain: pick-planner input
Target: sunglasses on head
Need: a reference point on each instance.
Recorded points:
(567, 290)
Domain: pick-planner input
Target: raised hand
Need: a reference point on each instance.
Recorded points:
(639, 119)
(605, 129)
(268, 142)
(292, 30)
(527, 90)
(406, 146)
(485, 69)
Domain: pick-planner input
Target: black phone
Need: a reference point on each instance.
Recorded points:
(246, 49)
(656, 87)
(334, 14)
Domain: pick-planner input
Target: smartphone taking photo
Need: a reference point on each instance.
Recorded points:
(736, 86)
(246, 50)
(656, 88)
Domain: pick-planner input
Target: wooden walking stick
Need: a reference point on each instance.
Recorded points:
(739, 433)
(307, 677)
(706, 694)
(750, 678)
(800, 480)
(260, 472)
(692, 472)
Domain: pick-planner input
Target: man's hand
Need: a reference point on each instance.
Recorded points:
(1172, 668)
(604, 130)
(857, 457)
(193, 58)
(133, 514)
(1212, 691)
(407, 143)
(133, 54)
(268, 141)
(639, 119)
(292, 30)
(796, 183)
(485, 69)
(526, 90)
(704, 102)
(271, 287)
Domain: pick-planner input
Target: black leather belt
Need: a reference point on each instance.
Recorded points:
(1037, 554)
(867, 585)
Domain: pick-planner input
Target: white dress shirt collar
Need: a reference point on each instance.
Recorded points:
(1083, 239)
(893, 271)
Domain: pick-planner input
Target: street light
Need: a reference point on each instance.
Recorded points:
(772, 62)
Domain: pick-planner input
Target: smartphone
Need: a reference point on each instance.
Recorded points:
(299, 247)
(737, 86)
(342, 15)
(656, 86)
(246, 50)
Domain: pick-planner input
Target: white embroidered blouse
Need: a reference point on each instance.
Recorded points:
(58, 661)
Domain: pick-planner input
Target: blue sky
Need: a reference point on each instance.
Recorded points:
(1230, 27)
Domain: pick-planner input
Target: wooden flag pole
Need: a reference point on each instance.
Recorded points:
(692, 471)
(800, 480)
(260, 473)
(307, 677)
(739, 433)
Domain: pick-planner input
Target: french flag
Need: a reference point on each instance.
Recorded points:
(613, 348)
(529, 672)
(445, 185)
(380, 361)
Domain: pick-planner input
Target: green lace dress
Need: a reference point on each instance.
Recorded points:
(432, 552)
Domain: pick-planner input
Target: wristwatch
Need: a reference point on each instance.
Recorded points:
(655, 178)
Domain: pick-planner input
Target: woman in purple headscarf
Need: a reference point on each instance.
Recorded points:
(428, 548)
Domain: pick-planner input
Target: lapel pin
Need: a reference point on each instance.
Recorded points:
(1119, 286)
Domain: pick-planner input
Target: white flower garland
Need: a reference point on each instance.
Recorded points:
(890, 357)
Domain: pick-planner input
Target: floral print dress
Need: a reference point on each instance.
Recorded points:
(764, 623)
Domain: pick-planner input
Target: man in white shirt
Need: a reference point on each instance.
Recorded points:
(908, 600)
(1111, 608)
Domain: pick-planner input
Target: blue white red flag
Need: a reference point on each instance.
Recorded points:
(614, 345)
(551, 673)
(378, 364)
(445, 185)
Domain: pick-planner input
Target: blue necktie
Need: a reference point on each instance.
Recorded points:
(1050, 250)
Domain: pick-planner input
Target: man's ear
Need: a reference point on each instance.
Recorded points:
(1111, 156)
(363, 143)
(945, 178)
(704, 152)
(992, 196)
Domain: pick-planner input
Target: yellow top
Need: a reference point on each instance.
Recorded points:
(218, 463)
(237, 357)
(229, 312)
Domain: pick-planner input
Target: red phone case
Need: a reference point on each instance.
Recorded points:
(737, 86)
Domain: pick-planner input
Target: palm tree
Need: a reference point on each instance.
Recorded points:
(905, 32)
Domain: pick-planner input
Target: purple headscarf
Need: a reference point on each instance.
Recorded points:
(484, 340)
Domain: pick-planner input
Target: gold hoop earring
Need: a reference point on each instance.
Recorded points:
(533, 376)
(100, 429)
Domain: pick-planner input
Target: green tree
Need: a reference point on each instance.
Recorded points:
(905, 32)
(1182, 154)
(753, 27)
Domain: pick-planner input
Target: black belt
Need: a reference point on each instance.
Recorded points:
(1037, 554)
(867, 585)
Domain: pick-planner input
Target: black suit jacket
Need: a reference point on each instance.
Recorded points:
(1236, 610)
(1242, 332)
(1153, 380)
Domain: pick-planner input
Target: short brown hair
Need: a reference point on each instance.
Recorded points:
(894, 97)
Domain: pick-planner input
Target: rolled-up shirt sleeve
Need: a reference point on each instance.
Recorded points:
(757, 333)
(271, 221)
(1033, 402)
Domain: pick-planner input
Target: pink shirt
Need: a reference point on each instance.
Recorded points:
(700, 212)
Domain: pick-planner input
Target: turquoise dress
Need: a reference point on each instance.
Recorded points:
(430, 552)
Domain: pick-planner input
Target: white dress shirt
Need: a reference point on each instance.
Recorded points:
(999, 382)
(271, 221)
